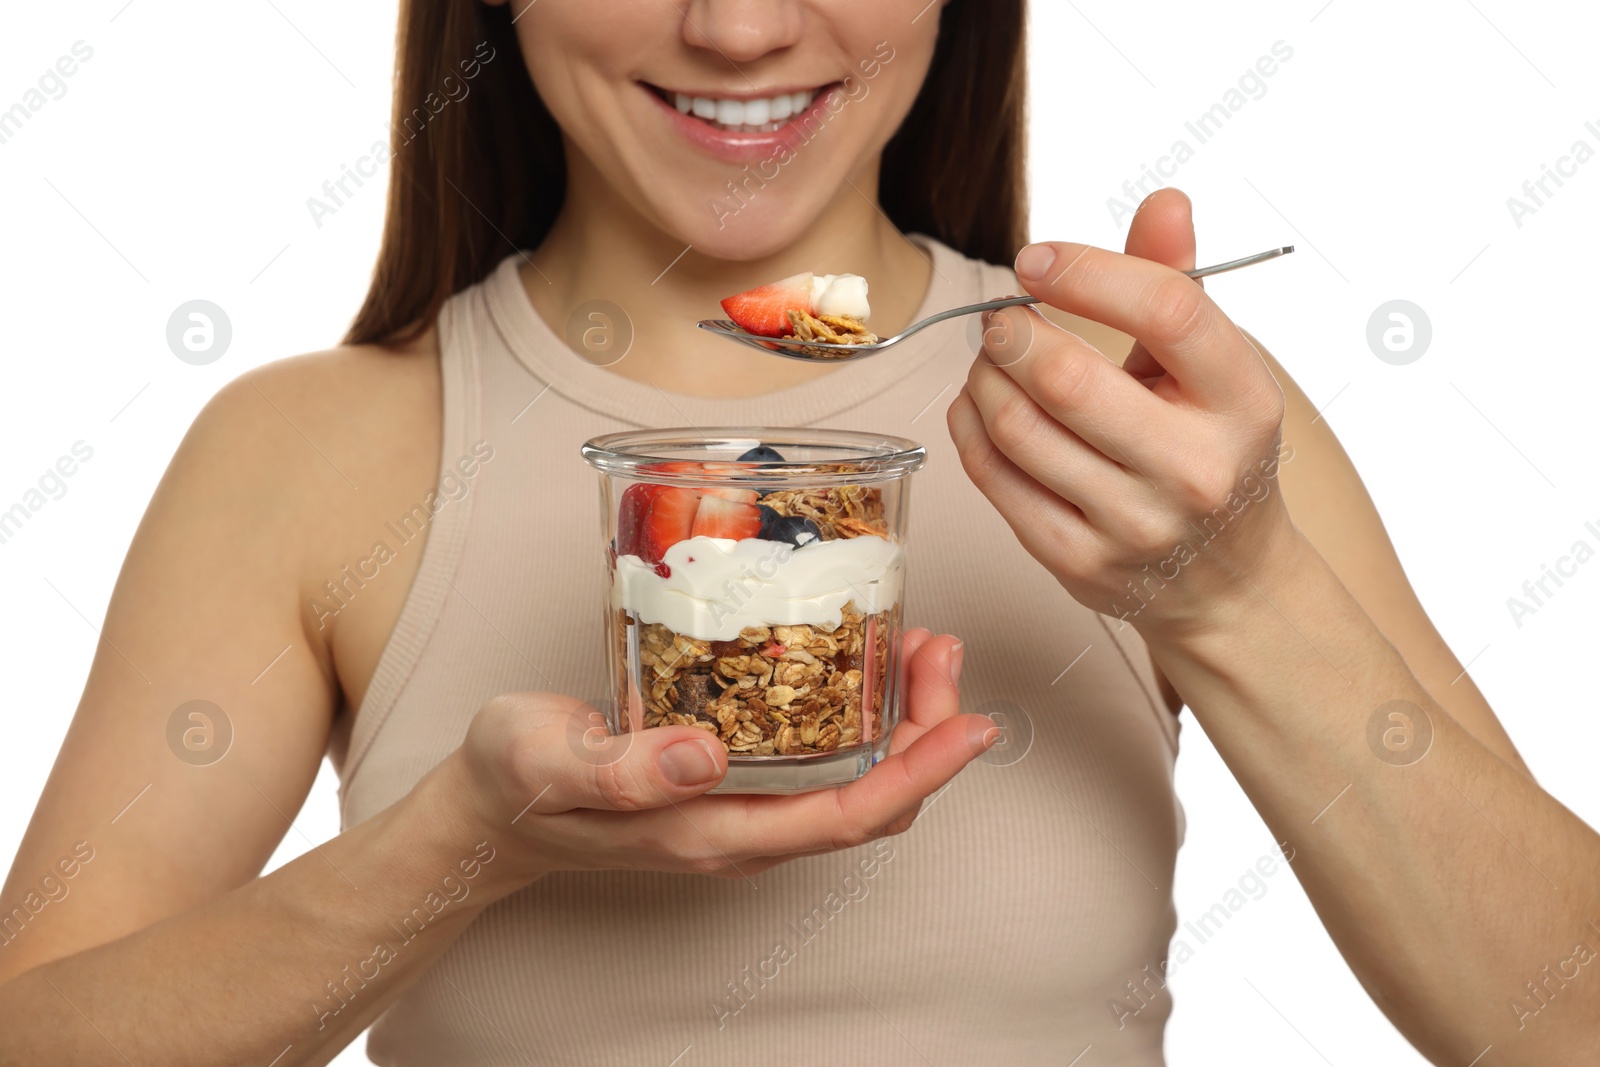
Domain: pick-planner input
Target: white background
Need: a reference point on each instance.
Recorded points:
(178, 163)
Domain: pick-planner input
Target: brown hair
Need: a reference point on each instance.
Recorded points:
(476, 177)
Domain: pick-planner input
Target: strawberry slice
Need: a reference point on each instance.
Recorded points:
(718, 517)
(764, 311)
(636, 500)
(688, 466)
(668, 520)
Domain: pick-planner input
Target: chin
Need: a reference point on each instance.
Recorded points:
(758, 230)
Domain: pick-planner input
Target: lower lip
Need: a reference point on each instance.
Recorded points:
(744, 147)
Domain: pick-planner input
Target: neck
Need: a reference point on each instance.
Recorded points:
(601, 249)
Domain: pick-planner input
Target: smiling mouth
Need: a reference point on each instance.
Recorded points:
(766, 114)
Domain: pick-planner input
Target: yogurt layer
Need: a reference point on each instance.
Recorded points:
(719, 586)
(840, 294)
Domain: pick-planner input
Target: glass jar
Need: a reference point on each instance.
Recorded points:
(754, 588)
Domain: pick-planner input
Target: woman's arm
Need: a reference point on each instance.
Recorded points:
(286, 969)
(1449, 880)
(154, 812)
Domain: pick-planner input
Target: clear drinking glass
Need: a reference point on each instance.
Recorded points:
(754, 588)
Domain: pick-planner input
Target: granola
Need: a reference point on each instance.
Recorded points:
(775, 690)
(828, 329)
(840, 511)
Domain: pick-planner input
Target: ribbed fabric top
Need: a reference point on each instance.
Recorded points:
(1004, 927)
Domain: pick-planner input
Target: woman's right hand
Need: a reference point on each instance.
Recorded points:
(633, 802)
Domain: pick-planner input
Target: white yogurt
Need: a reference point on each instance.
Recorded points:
(840, 294)
(718, 586)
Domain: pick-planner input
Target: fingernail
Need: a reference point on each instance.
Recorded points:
(955, 661)
(1035, 261)
(688, 763)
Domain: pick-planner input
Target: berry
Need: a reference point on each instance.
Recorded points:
(688, 466)
(636, 502)
(720, 517)
(764, 311)
(794, 530)
(668, 520)
(762, 454)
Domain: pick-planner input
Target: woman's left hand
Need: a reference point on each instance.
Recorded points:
(1148, 490)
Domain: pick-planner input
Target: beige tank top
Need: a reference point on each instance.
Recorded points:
(1024, 917)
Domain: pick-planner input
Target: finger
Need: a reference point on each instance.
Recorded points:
(1078, 387)
(932, 667)
(1040, 519)
(1038, 443)
(1162, 232)
(1178, 323)
(713, 832)
(564, 759)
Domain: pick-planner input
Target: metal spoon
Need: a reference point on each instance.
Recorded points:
(829, 353)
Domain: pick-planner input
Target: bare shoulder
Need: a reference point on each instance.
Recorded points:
(341, 442)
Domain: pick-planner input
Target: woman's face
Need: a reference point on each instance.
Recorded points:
(730, 124)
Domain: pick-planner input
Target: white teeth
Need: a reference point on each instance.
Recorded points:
(745, 115)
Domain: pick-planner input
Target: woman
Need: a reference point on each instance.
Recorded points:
(506, 890)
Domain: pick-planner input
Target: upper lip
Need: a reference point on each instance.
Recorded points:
(747, 94)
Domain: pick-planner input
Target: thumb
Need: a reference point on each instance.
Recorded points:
(563, 758)
(1163, 232)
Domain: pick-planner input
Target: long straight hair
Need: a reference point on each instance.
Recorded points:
(478, 169)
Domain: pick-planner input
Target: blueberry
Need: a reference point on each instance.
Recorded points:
(768, 517)
(762, 454)
(790, 529)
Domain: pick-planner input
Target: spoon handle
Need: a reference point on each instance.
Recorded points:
(1235, 264)
(970, 309)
